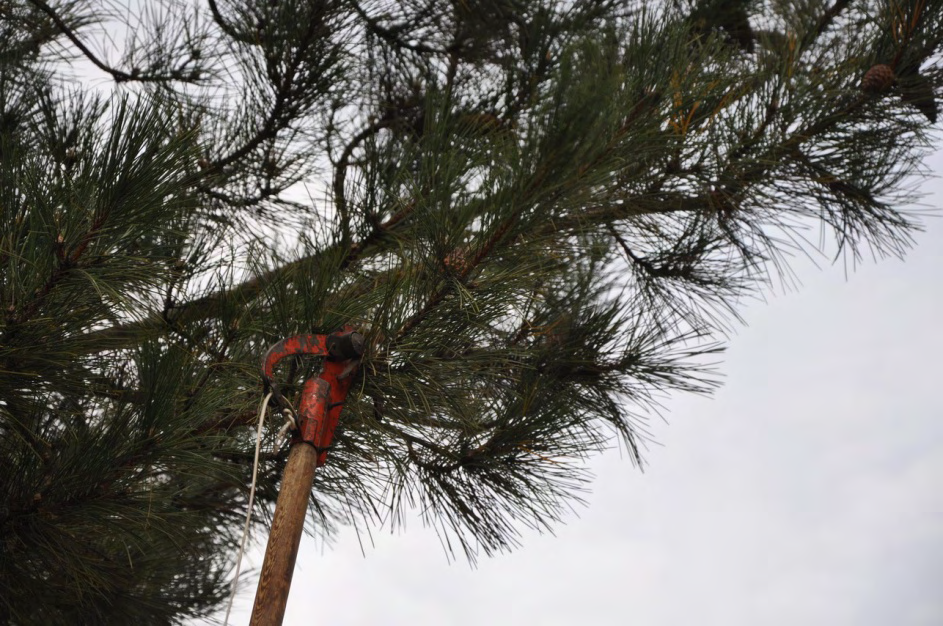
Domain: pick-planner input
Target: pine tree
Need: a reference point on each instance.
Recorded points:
(541, 215)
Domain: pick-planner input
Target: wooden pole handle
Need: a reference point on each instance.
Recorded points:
(290, 510)
(271, 597)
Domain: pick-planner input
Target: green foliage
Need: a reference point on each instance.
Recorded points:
(541, 215)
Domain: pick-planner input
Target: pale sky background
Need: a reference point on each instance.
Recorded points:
(808, 490)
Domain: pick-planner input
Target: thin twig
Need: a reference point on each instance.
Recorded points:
(389, 35)
(829, 16)
(340, 172)
(120, 76)
(226, 27)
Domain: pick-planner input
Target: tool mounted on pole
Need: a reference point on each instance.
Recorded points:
(322, 399)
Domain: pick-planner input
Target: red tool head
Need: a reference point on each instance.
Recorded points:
(343, 346)
(317, 415)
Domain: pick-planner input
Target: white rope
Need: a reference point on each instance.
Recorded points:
(290, 424)
(245, 529)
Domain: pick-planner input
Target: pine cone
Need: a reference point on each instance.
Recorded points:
(457, 261)
(878, 79)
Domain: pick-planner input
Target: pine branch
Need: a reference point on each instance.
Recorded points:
(390, 35)
(279, 116)
(340, 172)
(120, 76)
(227, 28)
(738, 183)
(827, 18)
(209, 306)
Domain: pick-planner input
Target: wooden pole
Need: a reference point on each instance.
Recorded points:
(287, 526)
(321, 402)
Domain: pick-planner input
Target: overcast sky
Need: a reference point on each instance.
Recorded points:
(808, 490)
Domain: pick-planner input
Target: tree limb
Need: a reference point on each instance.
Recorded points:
(120, 76)
(389, 35)
(226, 27)
(340, 172)
(208, 306)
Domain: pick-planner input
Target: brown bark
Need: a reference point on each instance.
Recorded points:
(279, 565)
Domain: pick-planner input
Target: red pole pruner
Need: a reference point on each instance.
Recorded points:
(322, 399)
